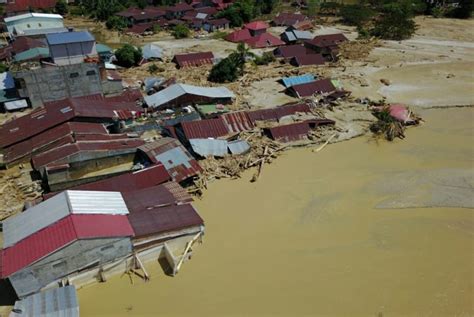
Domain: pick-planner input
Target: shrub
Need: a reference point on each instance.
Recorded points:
(265, 59)
(356, 14)
(128, 55)
(116, 23)
(3, 68)
(224, 71)
(156, 28)
(61, 7)
(181, 31)
(152, 69)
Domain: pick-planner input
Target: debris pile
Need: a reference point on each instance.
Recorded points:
(357, 50)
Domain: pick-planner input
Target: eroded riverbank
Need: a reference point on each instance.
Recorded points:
(307, 239)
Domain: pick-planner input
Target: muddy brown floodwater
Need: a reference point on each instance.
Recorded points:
(308, 240)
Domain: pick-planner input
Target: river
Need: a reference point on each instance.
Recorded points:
(307, 240)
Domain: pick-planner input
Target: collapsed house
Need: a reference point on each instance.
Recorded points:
(85, 161)
(321, 86)
(327, 45)
(193, 59)
(182, 95)
(181, 166)
(295, 131)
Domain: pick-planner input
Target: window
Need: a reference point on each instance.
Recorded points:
(28, 25)
(39, 24)
(90, 73)
(73, 75)
(59, 265)
(107, 247)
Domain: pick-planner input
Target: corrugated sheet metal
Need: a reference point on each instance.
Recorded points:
(69, 37)
(289, 132)
(297, 80)
(238, 147)
(202, 129)
(187, 117)
(148, 177)
(209, 147)
(328, 40)
(308, 59)
(56, 236)
(274, 114)
(177, 90)
(177, 161)
(56, 302)
(237, 121)
(48, 212)
(315, 87)
(264, 40)
(96, 202)
(194, 59)
(290, 51)
(239, 36)
(62, 153)
(165, 219)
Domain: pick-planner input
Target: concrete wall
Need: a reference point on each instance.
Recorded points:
(76, 174)
(72, 53)
(33, 23)
(75, 257)
(56, 83)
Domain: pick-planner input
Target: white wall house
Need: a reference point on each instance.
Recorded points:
(33, 23)
(71, 47)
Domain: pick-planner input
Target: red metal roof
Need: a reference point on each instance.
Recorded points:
(203, 129)
(180, 165)
(25, 43)
(131, 181)
(140, 28)
(256, 25)
(26, 5)
(308, 59)
(264, 40)
(60, 135)
(67, 230)
(239, 36)
(290, 51)
(289, 132)
(276, 113)
(328, 40)
(60, 154)
(180, 7)
(315, 87)
(193, 59)
(57, 112)
(237, 121)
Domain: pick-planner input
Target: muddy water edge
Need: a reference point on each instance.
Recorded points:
(307, 240)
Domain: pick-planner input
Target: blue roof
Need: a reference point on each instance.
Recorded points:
(6, 81)
(69, 37)
(297, 80)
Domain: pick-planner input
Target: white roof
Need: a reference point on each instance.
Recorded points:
(50, 211)
(32, 15)
(177, 90)
(16, 104)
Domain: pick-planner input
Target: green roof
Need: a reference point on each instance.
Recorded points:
(102, 48)
(210, 109)
(37, 52)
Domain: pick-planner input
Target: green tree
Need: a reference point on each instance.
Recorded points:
(3, 68)
(128, 55)
(224, 71)
(61, 7)
(313, 6)
(152, 69)
(180, 31)
(240, 12)
(115, 22)
(356, 14)
(265, 59)
(396, 22)
(464, 10)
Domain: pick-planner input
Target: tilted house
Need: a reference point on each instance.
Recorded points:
(321, 86)
(183, 95)
(71, 47)
(69, 233)
(33, 24)
(193, 59)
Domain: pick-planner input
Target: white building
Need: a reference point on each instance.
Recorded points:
(34, 24)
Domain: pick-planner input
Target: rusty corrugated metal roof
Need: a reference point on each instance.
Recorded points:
(194, 59)
(289, 132)
(176, 159)
(315, 87)
(237, 121)
(202, 129)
